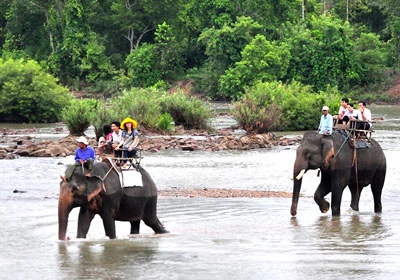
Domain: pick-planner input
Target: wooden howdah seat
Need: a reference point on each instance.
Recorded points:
(362, 134)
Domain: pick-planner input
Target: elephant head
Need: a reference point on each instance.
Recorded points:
(315, 151)
(79, 191)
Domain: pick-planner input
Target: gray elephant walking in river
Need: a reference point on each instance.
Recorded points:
(341, 165)
(102, 194)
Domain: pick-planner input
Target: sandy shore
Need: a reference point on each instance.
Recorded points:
(221, 193)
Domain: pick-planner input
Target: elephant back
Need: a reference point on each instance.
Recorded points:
(108, 175)
(148, 182)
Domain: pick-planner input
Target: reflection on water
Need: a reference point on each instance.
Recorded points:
(239, 238)
(121, 257)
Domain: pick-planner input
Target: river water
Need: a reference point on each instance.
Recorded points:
(214, 238)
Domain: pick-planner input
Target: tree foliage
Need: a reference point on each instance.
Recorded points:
(262, 61)
(91, 44)
(273, 106)
(78, 115)
(28, 93)
(190, 112)
(143, 66)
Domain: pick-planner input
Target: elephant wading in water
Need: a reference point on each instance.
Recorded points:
(341, 165)
(101, 193)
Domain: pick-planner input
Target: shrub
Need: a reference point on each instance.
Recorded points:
(191, 112)
(146, 106)
(139, 104)
(79, 114)
(165, 122)
(103, 115)
(29, 94)
(276, 106)
(255, 118)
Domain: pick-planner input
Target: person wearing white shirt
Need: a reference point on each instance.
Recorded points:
(364, 115)
(352, 114)
(116, 138)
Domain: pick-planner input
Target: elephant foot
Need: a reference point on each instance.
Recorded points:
(354, 208)
(162, 231)
(159, 228)
(67, 238)
(324, 208)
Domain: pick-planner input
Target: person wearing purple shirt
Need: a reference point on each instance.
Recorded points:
(84, 156)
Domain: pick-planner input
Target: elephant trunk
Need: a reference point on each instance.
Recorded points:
(64, 208)
(297, 180)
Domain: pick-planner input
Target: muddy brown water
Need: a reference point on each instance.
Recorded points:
(214, 238)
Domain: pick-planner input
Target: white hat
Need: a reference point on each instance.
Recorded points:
(83, 140)
(325, 108)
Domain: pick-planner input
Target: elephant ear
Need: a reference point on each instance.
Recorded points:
(327, 150)
(94, 187)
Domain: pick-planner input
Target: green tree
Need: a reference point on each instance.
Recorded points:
(262, 61)
(78, 56)
(143, 66)
(322, 53)
(24, 28)
(223, 48)
(29, 94)
(139, 19)
(370, 55)
(224, 45)
(169, 51)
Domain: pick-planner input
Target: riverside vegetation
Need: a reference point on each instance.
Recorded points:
(276, 66)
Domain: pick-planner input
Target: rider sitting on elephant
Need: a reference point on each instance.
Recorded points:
(84, 156)
(117, 138)
(340, 117)
(364, 115)
(353, 114)
(130, 137)
(326, 122)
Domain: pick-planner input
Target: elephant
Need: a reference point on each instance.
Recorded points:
(101, 193)
(341, 164)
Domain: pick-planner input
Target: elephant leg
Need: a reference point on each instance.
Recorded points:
(338, 186)
(323, 189)
(376, 189)
(150, 217)
(84, 219)
(156, 225)
(355, 196)
(108, 223)
(135, 226)
(377, 193)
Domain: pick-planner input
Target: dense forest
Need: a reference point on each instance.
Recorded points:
(222, 48)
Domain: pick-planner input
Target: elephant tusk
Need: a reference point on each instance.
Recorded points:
(298, 177)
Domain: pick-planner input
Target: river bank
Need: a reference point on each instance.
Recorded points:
(18, 142)
(221, 193)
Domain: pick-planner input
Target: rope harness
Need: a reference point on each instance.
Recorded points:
(354, 163)
(112, 163)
